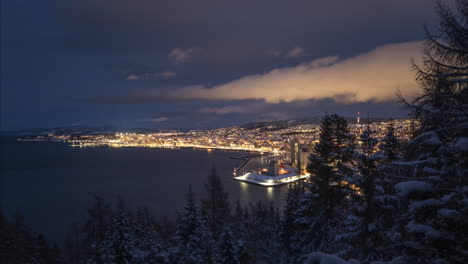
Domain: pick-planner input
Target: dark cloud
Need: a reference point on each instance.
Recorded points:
(306, 108)
(59, 50)
(248, 26)
(155, 119)
(178, 55)
(150, 76)
(374, 75)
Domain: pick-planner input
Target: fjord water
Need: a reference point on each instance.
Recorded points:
(52, 183)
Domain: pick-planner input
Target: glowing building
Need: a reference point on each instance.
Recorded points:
(299, 155)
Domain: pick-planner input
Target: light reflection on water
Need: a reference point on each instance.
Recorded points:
(270, 192)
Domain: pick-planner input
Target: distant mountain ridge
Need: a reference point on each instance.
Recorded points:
(262, 125)
(80, 130)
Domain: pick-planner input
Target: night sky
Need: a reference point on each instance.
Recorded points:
(204, 64)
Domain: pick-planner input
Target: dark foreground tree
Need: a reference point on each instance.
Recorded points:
(323, 205)
(288, 225)
(263, 228)
(195, 242)
(99, 219)
(434, 188)
(230, 248)
(443, 76)
(216, 206)
(368, 222)
(120, 244)
(19, 244)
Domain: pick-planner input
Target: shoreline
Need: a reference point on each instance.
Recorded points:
(114, 145)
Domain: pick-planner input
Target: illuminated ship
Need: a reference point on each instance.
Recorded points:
(274, 175)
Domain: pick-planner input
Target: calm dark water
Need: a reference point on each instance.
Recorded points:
(51, 183)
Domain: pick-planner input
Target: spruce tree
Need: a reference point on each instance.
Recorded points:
(288, 221)
(433, 189)
(368, 188)
(120, 245)
(216, 206)
(19, 244)
(443, 75)
(263, 234)
(99, 219)
(153, 249)
(194, 238)
(228, 247)
(323, 203)
(366, 220)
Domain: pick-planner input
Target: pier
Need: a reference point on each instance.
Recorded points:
(246, 160)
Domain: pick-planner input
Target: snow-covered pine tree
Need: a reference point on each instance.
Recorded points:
(202, 241)
(344, 146)
(369, 203)
(323, 203)
(99, 219)
(216, 206)
(228, 248)
(241, 246)
(263, 227)
(388, 206)
(195, 242)
(120, 245)
(189, 219)
(153, 248)
(368, 189)
(434, 190)
(273, 228)
(443, 75)
(295, 192)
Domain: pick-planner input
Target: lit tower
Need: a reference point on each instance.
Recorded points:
(358, 119)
